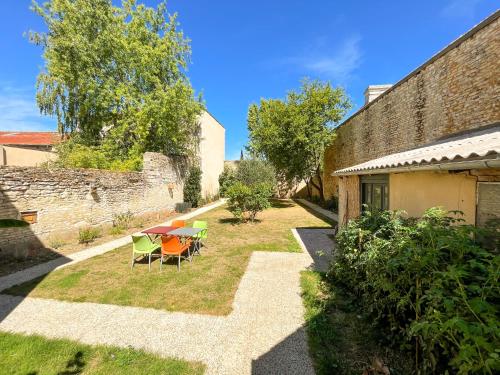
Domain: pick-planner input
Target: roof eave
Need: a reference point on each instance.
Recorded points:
(447, 166)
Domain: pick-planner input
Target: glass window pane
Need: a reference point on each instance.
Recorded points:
(377, 197)
(386, 198)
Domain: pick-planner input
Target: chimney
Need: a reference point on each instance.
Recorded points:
(374, 91)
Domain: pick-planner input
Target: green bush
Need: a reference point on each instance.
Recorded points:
(226, 179)
(245, 202)
(87, 235)
(56, 242)
(72, 154)
(192, 187)
(182, 207)
(12, 223)
(254, 171)
(428, 284)
(124, 220)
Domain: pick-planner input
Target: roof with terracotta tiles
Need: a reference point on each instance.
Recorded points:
(28, 138)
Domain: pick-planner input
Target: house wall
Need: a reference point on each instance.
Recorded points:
(212, 151)
(67, 199)
(456, 90)
(415, 192)
(24, 156)
(349, 198)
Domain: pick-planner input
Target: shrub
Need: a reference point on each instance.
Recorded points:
(56, 242)
(123, 220)
(428, 283)
(72, 154)
(332, 204)
(226, 179)
(254, 171)
(12, 223)
(87, 235)
(115, 230)
(245, 202)
(192, 187)
(182, 207)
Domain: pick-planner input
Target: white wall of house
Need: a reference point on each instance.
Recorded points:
(212, 149)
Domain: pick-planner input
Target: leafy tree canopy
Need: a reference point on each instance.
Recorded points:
(114, 77)
(293, 133)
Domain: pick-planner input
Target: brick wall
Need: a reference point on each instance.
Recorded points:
(456, 90)
(66, 199)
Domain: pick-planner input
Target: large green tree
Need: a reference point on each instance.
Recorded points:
(293, 133)
(114, 76)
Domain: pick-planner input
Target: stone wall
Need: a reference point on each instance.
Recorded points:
(456, 90)
(67, 199)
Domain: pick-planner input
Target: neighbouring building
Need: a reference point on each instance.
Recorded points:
(27, 149)
(212, 149)
(431, 139)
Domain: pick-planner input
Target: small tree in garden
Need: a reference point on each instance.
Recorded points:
(226, 179)
(253, 186)
(292, 134)
(254, 171)
(192, 186)
(245, 201)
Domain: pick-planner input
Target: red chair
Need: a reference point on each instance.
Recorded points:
(171, 246)
(178, 223)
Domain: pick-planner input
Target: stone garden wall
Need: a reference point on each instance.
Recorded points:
(67, 199)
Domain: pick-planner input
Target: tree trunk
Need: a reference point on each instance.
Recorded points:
(318, 186)
(309, 194)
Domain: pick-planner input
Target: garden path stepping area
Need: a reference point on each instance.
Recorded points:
(264, 333)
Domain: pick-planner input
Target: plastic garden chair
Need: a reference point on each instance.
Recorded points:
(172, 246)
(178, 223)
(143, 246)
(201, 236)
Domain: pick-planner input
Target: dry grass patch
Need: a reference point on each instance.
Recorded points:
(207, 285)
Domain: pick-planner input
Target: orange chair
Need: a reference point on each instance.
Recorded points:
(178, 223)
(172, 246)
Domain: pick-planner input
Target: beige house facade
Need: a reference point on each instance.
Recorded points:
(212, 150)
(27, 149)
(431, 139)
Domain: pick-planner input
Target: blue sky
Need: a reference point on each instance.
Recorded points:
(247, 50)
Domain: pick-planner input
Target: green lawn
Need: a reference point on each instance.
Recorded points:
(26, 355)
(207, 285)
(340, 340)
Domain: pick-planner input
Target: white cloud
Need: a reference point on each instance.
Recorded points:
(337, 62)
(460, 8)
(18, 111)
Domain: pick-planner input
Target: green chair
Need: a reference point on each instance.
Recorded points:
(143, 246)
(201, 236)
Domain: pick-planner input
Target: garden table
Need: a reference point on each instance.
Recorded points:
(160, 230)
(188, 232)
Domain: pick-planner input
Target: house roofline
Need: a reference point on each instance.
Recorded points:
(487, 21)
(215, 118)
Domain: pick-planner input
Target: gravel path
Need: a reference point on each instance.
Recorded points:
(44, 268)
(263, 335)
(319, 243)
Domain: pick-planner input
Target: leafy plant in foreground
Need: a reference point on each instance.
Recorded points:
(429, 283)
